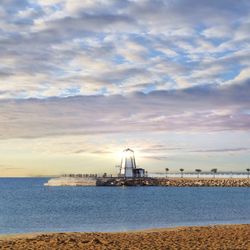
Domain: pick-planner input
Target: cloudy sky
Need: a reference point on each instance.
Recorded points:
(82, 80)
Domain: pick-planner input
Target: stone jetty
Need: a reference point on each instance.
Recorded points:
(148, 181)
(174, 182)
(205, 182)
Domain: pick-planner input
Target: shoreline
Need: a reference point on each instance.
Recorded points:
(233, 236)
(146, 229)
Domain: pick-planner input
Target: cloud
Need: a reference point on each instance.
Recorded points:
(158, 158)
(65, 48)
(200, 108)
(221, 150)
(10, 168)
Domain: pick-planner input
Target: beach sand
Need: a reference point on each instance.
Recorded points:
(210, 237)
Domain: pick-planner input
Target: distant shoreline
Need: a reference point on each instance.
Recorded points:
(234, 236)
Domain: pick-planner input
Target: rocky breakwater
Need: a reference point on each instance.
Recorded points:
(204, 182)
(116, 181)
(149, 181)
(174, 182)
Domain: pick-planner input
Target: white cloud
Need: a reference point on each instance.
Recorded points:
(48, 2)
(49, 47)
(194, 109)
(218, 32)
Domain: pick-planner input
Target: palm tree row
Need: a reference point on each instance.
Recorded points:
(198, 171)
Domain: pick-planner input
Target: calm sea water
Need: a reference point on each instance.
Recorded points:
(27, 206)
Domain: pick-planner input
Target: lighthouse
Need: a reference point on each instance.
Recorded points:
(128, 166)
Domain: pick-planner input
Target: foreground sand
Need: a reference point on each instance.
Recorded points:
(212, 237)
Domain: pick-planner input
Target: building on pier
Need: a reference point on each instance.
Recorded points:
(128, 165)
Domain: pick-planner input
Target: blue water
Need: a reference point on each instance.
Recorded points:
(28, 206)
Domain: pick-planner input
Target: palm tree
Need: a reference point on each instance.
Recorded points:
(248, 172)
(182, 170)
(198, 172)
(214, 171)
(166, 169)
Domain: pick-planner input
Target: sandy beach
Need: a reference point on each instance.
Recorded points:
(210, 237)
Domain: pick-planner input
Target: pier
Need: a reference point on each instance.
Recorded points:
(148, 181)
(130, 175)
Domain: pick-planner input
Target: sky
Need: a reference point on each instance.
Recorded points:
(82, 80)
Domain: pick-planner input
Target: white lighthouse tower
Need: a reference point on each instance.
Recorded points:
(128, 166)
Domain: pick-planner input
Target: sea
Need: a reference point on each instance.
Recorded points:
(27, 206)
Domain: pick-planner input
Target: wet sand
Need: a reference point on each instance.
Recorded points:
(231, 237)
